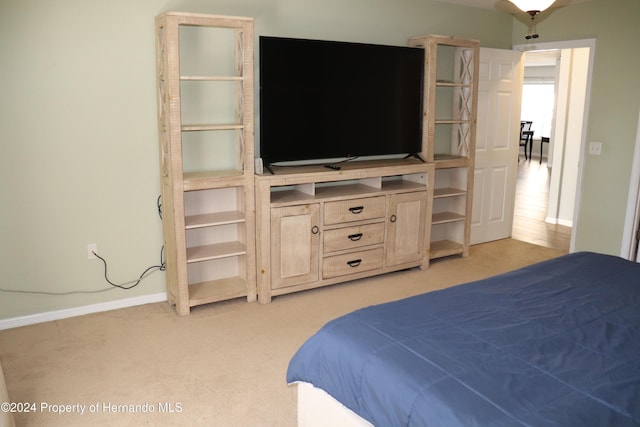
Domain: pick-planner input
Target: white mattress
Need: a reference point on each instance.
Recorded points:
(316, 408)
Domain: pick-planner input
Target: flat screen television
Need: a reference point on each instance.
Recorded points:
(338, 100)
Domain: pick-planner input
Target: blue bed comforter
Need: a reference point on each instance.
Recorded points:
(553, 344)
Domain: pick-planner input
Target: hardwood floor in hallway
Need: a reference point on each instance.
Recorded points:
(532, 194)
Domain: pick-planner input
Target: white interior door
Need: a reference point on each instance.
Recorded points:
(497, 144)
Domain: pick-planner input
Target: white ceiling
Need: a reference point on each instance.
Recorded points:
(484, 4)
(487, 4)
(532, 59)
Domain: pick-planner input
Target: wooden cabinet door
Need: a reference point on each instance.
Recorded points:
(295, 242)
(405, 227)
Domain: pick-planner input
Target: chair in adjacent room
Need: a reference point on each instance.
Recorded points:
(542, 141)
(526, 138)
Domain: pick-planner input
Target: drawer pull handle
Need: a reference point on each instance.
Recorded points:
(354, 263)
(315, 229)
(356, 209)
(355, 237)
(393, 218)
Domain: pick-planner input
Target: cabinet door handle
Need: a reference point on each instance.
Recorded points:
(355, 237)
(354, 263)
(315, 229)
(393, 218)
(356, 209)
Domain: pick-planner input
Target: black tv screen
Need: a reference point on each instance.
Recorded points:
(328, 100)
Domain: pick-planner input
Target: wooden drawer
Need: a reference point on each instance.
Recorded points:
(354, 210)
(353, 237)
(355, 262)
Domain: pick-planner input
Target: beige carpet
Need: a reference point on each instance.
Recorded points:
(224, 365)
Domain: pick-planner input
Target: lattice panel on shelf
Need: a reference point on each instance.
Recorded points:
(465, 65)
(463, 131)
(463, 106)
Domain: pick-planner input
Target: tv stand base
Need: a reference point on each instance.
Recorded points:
(318, 227)
(415, 156)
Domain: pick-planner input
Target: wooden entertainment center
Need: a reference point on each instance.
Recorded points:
(230, 232)
(317, 227)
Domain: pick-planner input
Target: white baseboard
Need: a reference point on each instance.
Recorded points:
(559, 221)
(79, 311)
(565, 222)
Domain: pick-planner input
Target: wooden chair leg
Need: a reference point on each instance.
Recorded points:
(542, 141)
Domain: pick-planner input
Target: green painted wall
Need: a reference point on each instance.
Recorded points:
(613, 113)
(79, 160)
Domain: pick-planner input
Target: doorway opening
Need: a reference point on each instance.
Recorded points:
(539, 93)
(558, 171)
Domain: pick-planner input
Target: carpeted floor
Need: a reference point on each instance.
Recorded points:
(224, 365)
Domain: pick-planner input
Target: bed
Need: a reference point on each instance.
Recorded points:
(553, 344)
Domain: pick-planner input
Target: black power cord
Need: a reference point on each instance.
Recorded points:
(159, 203)
(160, 267)
(129, 285)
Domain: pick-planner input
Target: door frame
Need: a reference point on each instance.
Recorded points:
(632, 219)
(572, 44)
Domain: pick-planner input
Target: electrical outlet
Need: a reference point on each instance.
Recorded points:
(595, 148)
(91, 248)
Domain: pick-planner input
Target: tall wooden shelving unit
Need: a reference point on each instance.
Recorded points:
(206, 131)
(449, 135)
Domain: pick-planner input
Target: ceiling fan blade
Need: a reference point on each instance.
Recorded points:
(507, 6)
(525, 18)
(530, 21)
(510, 8)
(560, 3)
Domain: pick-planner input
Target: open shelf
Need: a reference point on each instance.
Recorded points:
(213, 179)
(448, 83)
(285, 197)
(444, 217)
(215, 251)
(217, 290)
(451, 121)
(213, 219)
(305, 184)
(444, 248)
(212, 78)
(443, 161)
(448, 192)
(204, 127)
(294, 195)
(399, 186)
